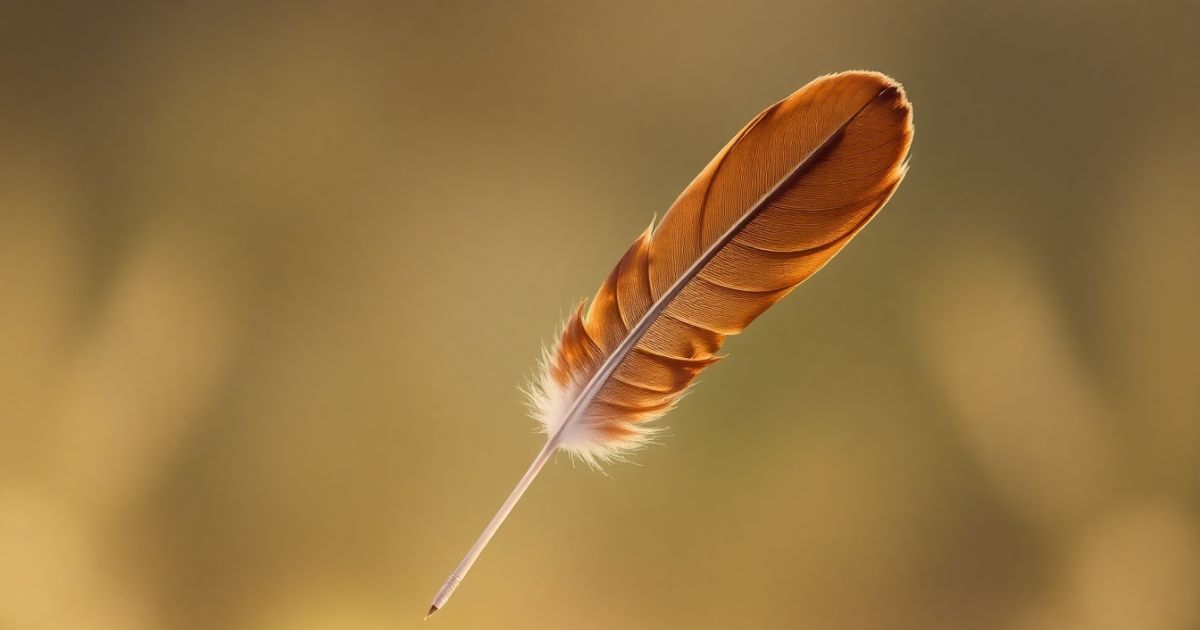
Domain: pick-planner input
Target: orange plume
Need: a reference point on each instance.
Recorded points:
(781, 199)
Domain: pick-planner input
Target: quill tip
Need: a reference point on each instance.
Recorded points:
(432, 609)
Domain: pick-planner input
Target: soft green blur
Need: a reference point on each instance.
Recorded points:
(270, 278)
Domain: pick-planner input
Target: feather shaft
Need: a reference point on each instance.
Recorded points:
(460, 572)
(613, 360)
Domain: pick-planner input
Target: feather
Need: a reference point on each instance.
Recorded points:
(776, 204)
(781, 199)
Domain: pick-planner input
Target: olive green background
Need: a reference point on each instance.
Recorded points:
(271, 274)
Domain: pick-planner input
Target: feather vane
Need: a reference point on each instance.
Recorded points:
(813, 169)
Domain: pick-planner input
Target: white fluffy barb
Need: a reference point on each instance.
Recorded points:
(549, 403)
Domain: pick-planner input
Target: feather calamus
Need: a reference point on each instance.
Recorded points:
(775, 204)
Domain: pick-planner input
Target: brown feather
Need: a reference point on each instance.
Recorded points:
(782, 198)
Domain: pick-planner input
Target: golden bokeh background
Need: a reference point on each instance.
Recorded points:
(270, 276)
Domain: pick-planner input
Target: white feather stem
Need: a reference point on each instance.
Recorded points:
(594, 385)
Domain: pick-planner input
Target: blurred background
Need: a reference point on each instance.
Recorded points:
(270, 276)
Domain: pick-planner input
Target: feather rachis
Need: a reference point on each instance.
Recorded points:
(774, 206)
